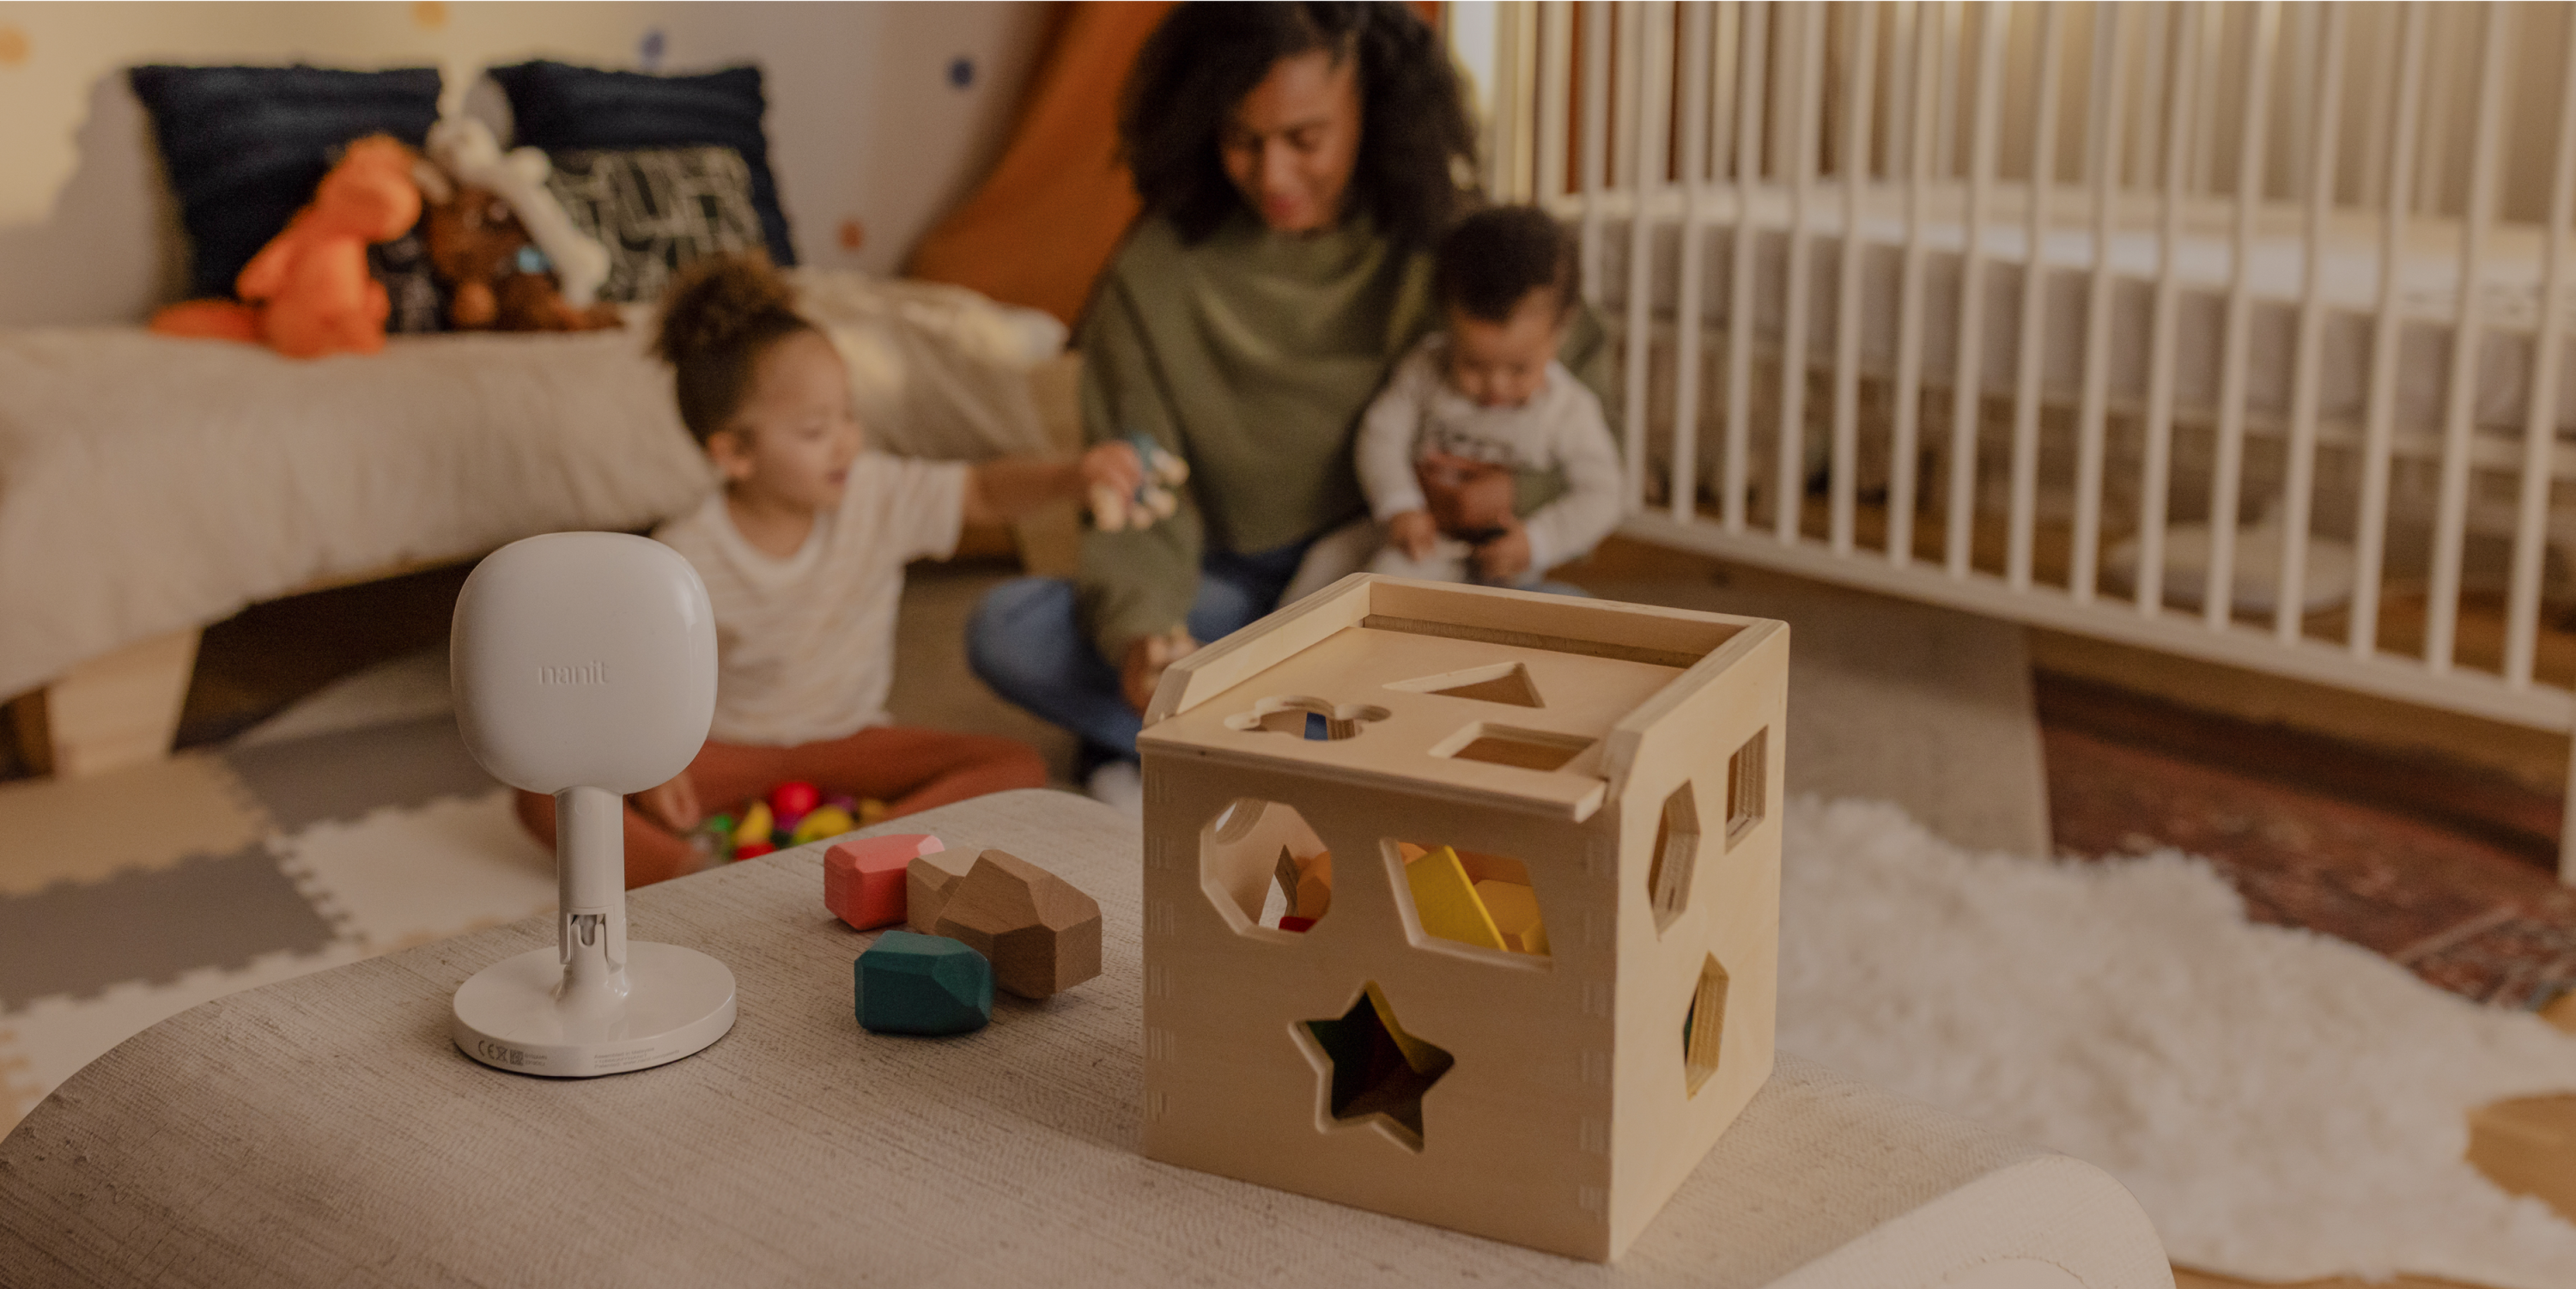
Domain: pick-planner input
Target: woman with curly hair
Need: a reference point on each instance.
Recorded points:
(1297, 163)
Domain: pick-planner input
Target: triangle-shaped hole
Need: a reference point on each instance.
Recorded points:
(1507, 683)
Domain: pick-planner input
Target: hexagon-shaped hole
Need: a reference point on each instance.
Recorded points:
(1668, 876)
(1264, 867)
(1472, 897)
(1703, 1025)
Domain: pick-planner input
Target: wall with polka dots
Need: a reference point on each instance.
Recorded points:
(881, 116)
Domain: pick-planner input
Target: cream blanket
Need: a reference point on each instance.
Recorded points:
(148, 485)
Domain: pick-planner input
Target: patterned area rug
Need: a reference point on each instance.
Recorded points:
(2445, 871)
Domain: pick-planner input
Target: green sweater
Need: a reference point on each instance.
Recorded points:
(1251, 355)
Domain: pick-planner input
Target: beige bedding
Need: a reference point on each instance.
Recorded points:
(149, 485)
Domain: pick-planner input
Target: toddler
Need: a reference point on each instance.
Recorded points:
(802, 551)
(1459, 453)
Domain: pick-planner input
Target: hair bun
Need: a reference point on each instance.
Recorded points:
(720, 302)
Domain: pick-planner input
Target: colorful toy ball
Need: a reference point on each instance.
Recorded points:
(793, 800)
(753, 850)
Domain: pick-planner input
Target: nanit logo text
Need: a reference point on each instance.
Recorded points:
(588, 673)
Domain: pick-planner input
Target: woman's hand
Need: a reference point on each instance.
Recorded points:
(674, 805)
(1507, 556)
(1413, 532)
(1146, 658)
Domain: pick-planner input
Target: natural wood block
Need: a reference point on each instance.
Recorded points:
(926, 889)
(110, 712)
(865, 881)
(2528, 1146)
(921, 984)
(1042, 935)
(1289, 1058)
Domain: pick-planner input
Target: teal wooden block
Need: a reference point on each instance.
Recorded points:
(922, 984)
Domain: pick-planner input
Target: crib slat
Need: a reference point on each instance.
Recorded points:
(2102, 118)
(1863, 75)
(2450, 525)
(1789, 474)
(2218, 582)
(1649, 105)
(1992, 21)
(2156, 473)
(2034, 304)
(1686, 330)
(2380, 417)
(2145, 144)
(1905, 434)
(2299, 484)
(1595, 161)
(1555, 95)
(1750, 102)
(2540, 425)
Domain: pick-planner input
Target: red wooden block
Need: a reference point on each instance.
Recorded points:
(863, 880)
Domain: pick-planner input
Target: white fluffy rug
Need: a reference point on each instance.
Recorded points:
(2286, 1106)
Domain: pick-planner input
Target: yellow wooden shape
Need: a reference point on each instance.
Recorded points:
(1447, 903)
(1514, 908)
(757, 824)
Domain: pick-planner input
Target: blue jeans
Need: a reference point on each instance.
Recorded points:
(1026, 641)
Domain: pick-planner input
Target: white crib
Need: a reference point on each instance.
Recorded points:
(2191, 276)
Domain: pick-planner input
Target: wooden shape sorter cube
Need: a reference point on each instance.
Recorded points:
(1598, 785)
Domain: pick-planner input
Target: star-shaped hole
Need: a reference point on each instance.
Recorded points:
(1379, 1072)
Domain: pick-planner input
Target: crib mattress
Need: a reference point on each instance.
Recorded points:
(2426, 297)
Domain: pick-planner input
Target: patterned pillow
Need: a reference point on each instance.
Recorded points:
(656, 210)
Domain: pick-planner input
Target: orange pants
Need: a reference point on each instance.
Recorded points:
(908, 769)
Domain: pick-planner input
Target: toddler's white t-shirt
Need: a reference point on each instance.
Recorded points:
(805, 644)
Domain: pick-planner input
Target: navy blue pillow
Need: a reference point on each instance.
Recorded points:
(245, 146)
(560, 106)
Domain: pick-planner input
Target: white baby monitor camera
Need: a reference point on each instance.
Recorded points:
(584, 666)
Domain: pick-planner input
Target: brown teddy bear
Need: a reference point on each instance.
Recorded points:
(496, 277)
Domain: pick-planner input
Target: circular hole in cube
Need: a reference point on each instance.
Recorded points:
(1264, 868)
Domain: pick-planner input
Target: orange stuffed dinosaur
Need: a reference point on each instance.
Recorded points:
(307, 292)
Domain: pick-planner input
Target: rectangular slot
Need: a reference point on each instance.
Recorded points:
(1748, 780)
(1504, 745)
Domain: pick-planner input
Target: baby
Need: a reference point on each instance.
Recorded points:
(802, 551)
(1481, 416)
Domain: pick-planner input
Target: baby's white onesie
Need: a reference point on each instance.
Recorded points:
(1560, 427)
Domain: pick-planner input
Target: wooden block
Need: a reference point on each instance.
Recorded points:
(921, 984)
(1514, 908)
(864, 881)
(926, 890)
(1315, 886)
(2528, 1147)
(110, 712)
(1446, 903)
(1042, 935)
(1292, 922)
(1285, 873)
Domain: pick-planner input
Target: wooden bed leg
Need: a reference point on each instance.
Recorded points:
(116, 710)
